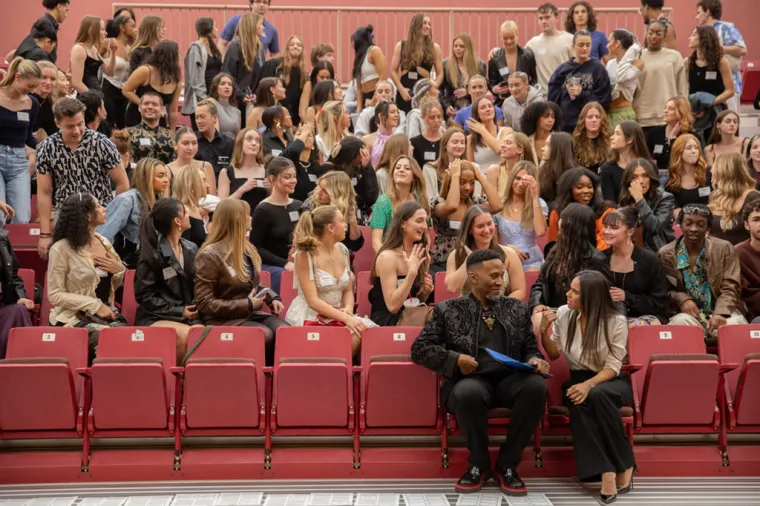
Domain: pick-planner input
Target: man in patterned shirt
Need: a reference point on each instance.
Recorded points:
(74, 160)
(709, 13)
(149, 139)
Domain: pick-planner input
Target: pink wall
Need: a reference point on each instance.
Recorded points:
(322, 24)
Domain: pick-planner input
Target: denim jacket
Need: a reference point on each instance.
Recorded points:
(124, 215)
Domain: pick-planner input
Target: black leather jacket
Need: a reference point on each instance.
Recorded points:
(656, 220)
(455, 329)
(163, 293)
(526, 62)
(13, 285)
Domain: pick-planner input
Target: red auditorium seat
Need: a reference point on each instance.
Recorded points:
(287, 291)
(750, 82)
(441, 292)
(363, 307)
(365, 257)
(23, 235)
(28, 276)
(41, 396)
(265, 278)
(530, 279)
(133, 389)
(128, 302)
(739, 345)
(679, 388)
(313, 392)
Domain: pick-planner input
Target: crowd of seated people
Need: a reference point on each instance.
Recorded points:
(581, 156)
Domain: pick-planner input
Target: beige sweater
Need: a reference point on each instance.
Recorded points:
(663, 78)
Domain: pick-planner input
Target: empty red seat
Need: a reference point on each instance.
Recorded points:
(128, 302)
(265, 279)
(41, 396)
(23, 235)
(740, 345)
(365, 257)
(363, 307)
(441, 292)
(288, 291)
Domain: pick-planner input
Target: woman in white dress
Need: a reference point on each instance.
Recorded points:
(323, 275)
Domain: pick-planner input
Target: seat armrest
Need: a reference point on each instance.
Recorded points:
(85, 372)
(357, 369)
(631, 368)
(177, 371)
(724, 368)
(267, 370)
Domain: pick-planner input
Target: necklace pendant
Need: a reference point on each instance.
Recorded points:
(489, 321)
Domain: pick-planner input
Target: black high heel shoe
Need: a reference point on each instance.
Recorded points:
(607, 499)
(629, 487)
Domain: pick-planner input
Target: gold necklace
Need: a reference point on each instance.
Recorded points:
(488, 318)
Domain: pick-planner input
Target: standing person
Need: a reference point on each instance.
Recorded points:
(166, 273)
(276, 217)
(14, 302)
(44, 126)
(186, 147)
(626, 145)
(415, 58)
(224, 92)
(160, 75)
(18, 114)
(592, 335)
(73, 160)
(710, 12)
(725, 137)
(521, 95)
(689, 178)
(124, 30)
(706, 67)
(678, 121)
(581, 16)
(269, 39)
(149, 138)
(214, 147)
(85, 58)
(152, 31)
(591, 137)
(228, 290)
(245, 177)
(291, 69)
(661, 78)
(749, 260)
(458, 69)
(56, 12)
(579, 81)
(551, 47)
(427, 145)
(369, 65)
(651, 11)
(203, 62)
(733, 187)
(623, 68)
(473, 385)
(243, 59)
(45, 41)
(703, 274)
(508, 59)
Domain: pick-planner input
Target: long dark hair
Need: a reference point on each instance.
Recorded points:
(561, 158)
(465, 238)
(264, 97)
(654, 182)
(577, 235)
(363, 41)
(477, 140)
(395, 238)
(323, 92)
(165, 59)
(382, 110)
(321, 65)
(344, 153)
(204, 26)
(159, 220)
(709, 43)
(75, 220)
(565, 190)
(599, 310)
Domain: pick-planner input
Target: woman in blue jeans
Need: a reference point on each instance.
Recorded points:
(18, 112)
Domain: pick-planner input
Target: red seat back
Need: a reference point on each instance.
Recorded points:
(265, 278)
(735, 342)
(388, 374)
(28, 276)
(530, 279)
(560, 373)
(287, 291)
(365, 257)
(23, 235)
(441, 292)
(362, 294)
(128, 301)
(45, 306)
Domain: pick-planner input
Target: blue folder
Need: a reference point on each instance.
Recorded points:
(515, 364)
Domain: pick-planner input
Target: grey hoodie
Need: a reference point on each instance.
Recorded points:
(514, 111)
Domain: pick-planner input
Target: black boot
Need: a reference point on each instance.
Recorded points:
(472, 480)
(511, 483)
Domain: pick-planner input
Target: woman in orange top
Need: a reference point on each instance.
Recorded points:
(578, 185)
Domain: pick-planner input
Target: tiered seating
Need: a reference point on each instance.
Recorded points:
(287, 291)
(441, 292)
(365, 257)
(128, 302)
(739, 346)
(363, 307)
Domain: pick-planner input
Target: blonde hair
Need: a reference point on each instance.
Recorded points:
(417, 189)
(230, 219)
(509, 25)
(237, 153)
(213, 109)
(731, 178)
(27, 69)
(149, 34)
(342, 194)
(142, 181)
(188, 187)
(288, 63)
(311, 226)
(89, 31)
(526, 222)
(470, 61)
(328, 124)
(247, 33)
(122, 141)
(441, 165)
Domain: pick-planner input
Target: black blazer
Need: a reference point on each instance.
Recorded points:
(646, 289)
(13, 285)
(161, 293)
(545, 291)
(526, 62)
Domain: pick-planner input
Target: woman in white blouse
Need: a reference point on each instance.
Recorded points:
(592, 335)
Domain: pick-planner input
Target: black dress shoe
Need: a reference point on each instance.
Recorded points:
(629, 487)
(607, 499)
(471, 480)
(511, 483)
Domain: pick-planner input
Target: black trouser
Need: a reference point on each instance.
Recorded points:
(116, 104)
(472, 397)
(269, 325)
(599, 439)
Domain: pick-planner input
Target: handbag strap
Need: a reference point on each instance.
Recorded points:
(195, 345)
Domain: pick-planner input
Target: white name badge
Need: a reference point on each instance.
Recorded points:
(276, 152)
(412, 75)
(23, 116)
(658, 148)
(542, 51)
(429, 156)
(144, 142)
(222, 160)
(169, 273)
(455, 225)
(711, 75)
(354, 181)
(101, 273)
(504, 71)
(293, 215)
(313, 178)
(705, 191)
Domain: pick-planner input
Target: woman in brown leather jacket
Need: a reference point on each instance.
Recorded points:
(227, 289)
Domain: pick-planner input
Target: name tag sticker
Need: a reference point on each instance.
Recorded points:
(658, 148)
(276, 152)
(753, 334)
(138, 336)
(704, 191)
(23, 116)
(169, 273)
(711, 75)
(504, 71)
(312, 336)
(455, 225)
(412, 75)
(666, 335)
(144, 141)
(222, 160)
(34, 231)
(50, 337)
(293, 215)
(542, 51)
(226, 336)
(399, 336)
(354, 181)
(430, 156)
(313, 178)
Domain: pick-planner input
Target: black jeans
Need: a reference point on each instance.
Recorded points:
(472, 397)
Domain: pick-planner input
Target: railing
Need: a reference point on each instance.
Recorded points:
(316, 24)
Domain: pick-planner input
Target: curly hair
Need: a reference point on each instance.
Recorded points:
(75, 220)
(535, 111)
(576, 235)
(570, 22)
(676, 163)
(709, 44)
(654, 183)
(565, 185)
(588, 151)
(418, 48)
